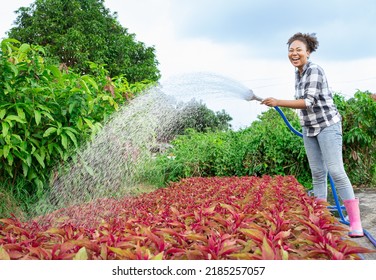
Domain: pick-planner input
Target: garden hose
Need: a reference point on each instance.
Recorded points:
(337, 207)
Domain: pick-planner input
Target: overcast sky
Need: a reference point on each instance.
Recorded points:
(246, 40)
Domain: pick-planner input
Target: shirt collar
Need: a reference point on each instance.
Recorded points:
(304, 69)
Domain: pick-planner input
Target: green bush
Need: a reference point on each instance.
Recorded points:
(273, 149)
(359, 137)
(266, 147)
(46, 112)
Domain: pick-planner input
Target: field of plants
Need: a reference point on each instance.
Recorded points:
(216, 218)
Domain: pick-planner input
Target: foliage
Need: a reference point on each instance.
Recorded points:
(47, 111)
(359, 137)
(197, 116)
(273, 149)
(266, 147)
(200, 118)
(198, 218)
(76, 31)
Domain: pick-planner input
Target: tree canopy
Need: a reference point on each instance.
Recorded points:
(77, 31)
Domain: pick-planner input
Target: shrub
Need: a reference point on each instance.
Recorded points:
(359, 137)
(266, 147)
(46, 112)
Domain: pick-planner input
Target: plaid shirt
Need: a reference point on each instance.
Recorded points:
(321, 111)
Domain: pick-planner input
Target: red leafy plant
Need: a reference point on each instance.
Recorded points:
(268, 218)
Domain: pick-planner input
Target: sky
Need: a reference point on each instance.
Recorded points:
(245, 40)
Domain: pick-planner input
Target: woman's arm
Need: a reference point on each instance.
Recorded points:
(293, 104)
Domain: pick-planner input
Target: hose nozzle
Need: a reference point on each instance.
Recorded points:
(252, 96)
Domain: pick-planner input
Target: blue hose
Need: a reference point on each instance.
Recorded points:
(337, 206)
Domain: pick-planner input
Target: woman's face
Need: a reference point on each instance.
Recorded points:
(298, 54)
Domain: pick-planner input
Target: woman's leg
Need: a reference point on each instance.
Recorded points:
(316, 163)
(330, 142)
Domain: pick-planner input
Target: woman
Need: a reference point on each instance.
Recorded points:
(321, 125)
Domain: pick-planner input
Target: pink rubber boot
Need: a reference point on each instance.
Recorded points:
(352, 209)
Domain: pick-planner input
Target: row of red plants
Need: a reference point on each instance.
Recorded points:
(264, 218)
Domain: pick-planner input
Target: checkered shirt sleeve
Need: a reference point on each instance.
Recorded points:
(312, 86)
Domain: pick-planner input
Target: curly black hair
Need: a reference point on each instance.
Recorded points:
(309, 39)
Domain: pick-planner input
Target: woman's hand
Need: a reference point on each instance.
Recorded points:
(270, 101)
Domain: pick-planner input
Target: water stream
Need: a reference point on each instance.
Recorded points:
(108, 165)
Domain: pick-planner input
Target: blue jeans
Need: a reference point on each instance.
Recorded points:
(324, 152)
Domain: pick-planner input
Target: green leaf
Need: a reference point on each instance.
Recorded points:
(39, 158)
(6, 149)
(72, 137)
(71, 107)
(89, 122)
(10, 159)
(31, 175)
(91, 81)
(84, 85)
(267, 250)
(37, 116)
(21, 113)
(14, 118)
(13, 68)
(81, 254)
(158, 256)
(5, 130)
(28, 160)
(3, 254)
(25, 169)
(48, 115)
(39, 185)
(55, 71)
(70, 129)
(2, 113)
(49, 131)
(24, 48)
(57, 148)
(64, 141)
(16, 139)
(43, 107)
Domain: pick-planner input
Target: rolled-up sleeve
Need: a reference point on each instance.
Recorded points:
(312, 87)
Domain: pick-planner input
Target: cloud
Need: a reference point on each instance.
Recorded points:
(265, 26)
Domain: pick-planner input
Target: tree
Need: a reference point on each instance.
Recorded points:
(196, 115)
(77, 31)
(199, 117)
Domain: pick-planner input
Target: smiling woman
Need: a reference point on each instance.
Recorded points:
(322, 128)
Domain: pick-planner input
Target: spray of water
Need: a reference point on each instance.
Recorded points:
(109, 164)
(204, 86)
